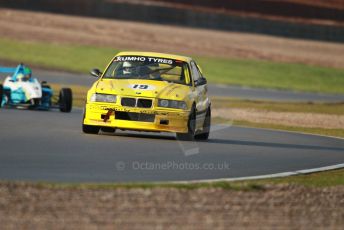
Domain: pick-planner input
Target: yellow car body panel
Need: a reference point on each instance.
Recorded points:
(154, 117)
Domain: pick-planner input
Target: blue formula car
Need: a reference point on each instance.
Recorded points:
(21, 90)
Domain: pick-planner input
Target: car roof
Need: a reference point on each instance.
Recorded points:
(154, 54)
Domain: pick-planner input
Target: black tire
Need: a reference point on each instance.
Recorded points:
(36, 102)
(204, 135)
(6, 94)
(90, 129)
(190, 135)
(1, 95)
(65, 100)
(108, 129)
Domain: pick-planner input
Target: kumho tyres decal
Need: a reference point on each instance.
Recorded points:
(144, 59)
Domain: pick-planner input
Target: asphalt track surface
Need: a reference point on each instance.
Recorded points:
(49, 146)
(214, 90)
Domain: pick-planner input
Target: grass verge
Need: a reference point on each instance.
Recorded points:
(74, 58)
(297, 107)
(335, 108)
(318, 131)
(252, 73)
(152, 185)
(320, 179)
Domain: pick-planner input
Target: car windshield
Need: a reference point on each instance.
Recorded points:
(147, 68)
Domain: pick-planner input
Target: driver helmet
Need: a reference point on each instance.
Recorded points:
(27, 73)
(127, 67)
(20, 77)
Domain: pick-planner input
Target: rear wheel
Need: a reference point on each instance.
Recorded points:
(190, 135)
(65, 100)
(6, 96)
(204, 135)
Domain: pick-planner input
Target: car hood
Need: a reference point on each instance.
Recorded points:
(143, 88)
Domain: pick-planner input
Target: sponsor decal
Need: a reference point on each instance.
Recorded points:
(144, 59)
(133, 110)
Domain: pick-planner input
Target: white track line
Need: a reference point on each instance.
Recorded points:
(268, 176)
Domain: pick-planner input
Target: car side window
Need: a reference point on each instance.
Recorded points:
(195, 73)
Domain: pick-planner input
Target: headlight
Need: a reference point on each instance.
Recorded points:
(103, 98)
(172, 104)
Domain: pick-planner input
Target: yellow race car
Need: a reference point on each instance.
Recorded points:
(152, 92)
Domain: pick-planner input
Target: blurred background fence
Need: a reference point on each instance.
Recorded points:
(202, 15)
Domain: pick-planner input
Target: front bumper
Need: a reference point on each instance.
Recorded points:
(132, 118)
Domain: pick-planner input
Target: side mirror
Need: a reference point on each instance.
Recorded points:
(95, 72)
(201, 81)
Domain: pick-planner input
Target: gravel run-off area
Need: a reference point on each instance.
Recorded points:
(27, 206)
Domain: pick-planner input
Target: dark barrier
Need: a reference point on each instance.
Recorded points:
(328, 10)
(183, 17)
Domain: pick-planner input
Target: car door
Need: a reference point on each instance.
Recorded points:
(201, 99)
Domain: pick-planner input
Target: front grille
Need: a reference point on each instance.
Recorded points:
(141, 103)
(144, 103)
(129, 116)
(126, 101)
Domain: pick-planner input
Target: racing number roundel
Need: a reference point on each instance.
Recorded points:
(142, 87)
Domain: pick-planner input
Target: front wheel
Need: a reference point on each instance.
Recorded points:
(90, 129)
(65, 100)
(190, 135)
(204, 135)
